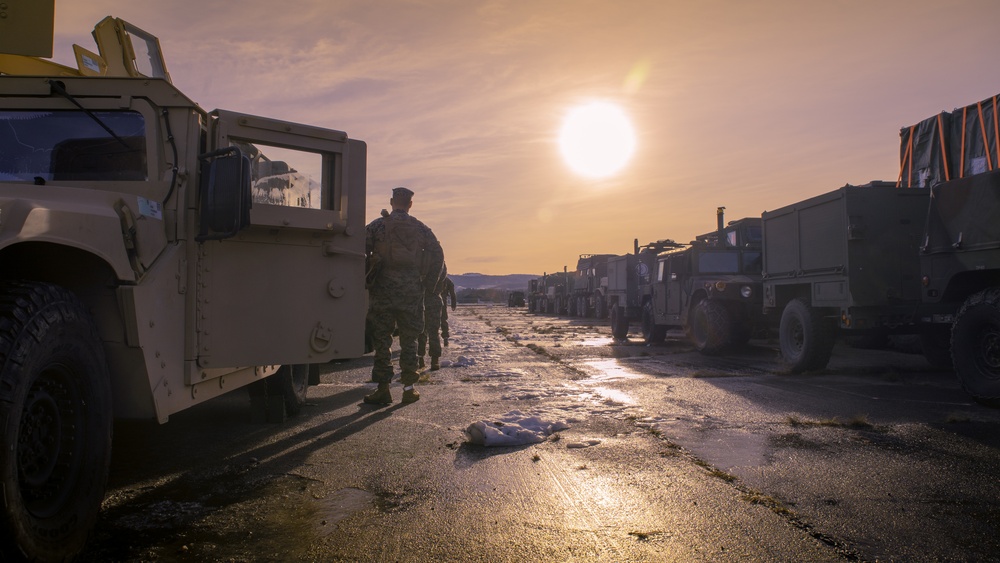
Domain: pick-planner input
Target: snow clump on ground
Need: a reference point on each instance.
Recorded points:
(513, 429)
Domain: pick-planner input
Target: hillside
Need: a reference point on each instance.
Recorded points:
(483, 281)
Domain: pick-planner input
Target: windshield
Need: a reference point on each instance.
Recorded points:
(719, 262)
(38, 146)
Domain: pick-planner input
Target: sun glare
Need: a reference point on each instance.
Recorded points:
(597, 139)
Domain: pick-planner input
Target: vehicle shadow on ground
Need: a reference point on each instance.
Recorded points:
(234, 472)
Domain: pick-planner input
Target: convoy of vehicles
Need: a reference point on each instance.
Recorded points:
(919, 256)
(155, 256)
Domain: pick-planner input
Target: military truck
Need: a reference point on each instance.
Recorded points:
(711, 289)
(553, 293)
(629, 283)
(960, 281)
(590, 286)
(155, 255)
(846, 260)
(515, 299)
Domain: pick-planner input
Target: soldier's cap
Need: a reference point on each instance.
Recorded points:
(402, 194)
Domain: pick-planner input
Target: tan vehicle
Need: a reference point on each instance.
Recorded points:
(153, 256)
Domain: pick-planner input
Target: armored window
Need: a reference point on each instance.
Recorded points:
(719, 263)
(72, 146)
(287, 177)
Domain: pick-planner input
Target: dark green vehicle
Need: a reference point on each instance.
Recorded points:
(711, 289)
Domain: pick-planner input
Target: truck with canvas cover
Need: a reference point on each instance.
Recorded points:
(710, 289)
(154, 256)
(960, 281)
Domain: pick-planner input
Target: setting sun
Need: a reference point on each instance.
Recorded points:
(596, 139)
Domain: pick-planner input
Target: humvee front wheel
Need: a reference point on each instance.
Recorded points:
(55, 411)
(291, 384)
(806, 338)
(975, 346)
(710, 328)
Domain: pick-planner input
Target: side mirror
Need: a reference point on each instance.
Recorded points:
(225, 194)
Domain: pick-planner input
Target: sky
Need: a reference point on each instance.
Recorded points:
(750, 105)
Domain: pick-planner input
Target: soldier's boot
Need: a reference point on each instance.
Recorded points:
(410, 395)
(420, 361)
(381, 396)
(435, 363)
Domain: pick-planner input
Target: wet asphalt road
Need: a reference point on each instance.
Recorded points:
(670, 456)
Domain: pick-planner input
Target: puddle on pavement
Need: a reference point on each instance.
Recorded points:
(607, 370)
(724, 448)
(340, 505)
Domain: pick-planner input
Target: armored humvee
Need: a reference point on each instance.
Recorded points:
(711, 289)
(154, 256)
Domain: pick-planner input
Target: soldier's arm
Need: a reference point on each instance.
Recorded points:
(451, 292)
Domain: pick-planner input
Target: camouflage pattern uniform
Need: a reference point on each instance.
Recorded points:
(448, 291)
(396, 289)
(434, 320)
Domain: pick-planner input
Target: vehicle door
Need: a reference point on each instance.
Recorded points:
(288, 287)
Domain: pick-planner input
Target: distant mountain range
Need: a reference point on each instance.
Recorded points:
(483, 281)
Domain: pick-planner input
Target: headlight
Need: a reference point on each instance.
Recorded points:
(746, 291)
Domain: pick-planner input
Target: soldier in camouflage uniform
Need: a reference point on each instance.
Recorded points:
(434, 315)
(404, 262)
(448, 291)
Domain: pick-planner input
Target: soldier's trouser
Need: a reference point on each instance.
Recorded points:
(429, 339)
(444, 321)
(409, 320)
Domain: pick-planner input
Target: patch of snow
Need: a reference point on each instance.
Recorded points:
(513, 429)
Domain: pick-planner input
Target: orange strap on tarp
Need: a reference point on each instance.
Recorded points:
(944, 153)
(986, 139)
(961, 158)
(907, 158)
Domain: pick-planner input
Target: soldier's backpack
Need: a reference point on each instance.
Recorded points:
(404, 243)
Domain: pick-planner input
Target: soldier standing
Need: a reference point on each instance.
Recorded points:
(404, 262)
(448, 291)
(435, 314)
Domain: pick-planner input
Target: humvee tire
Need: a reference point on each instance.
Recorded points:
(710, 329)
(290, 385)
(651, 332)
(975, 346)
(619, 323)
(806, 338)
(55, 406)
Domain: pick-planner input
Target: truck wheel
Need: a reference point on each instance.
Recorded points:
(291, 383)
(651, 332)
(806, 338)
(710, 327)
(55, 411)
(619, 323)
(600, 307)
(975, 346)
